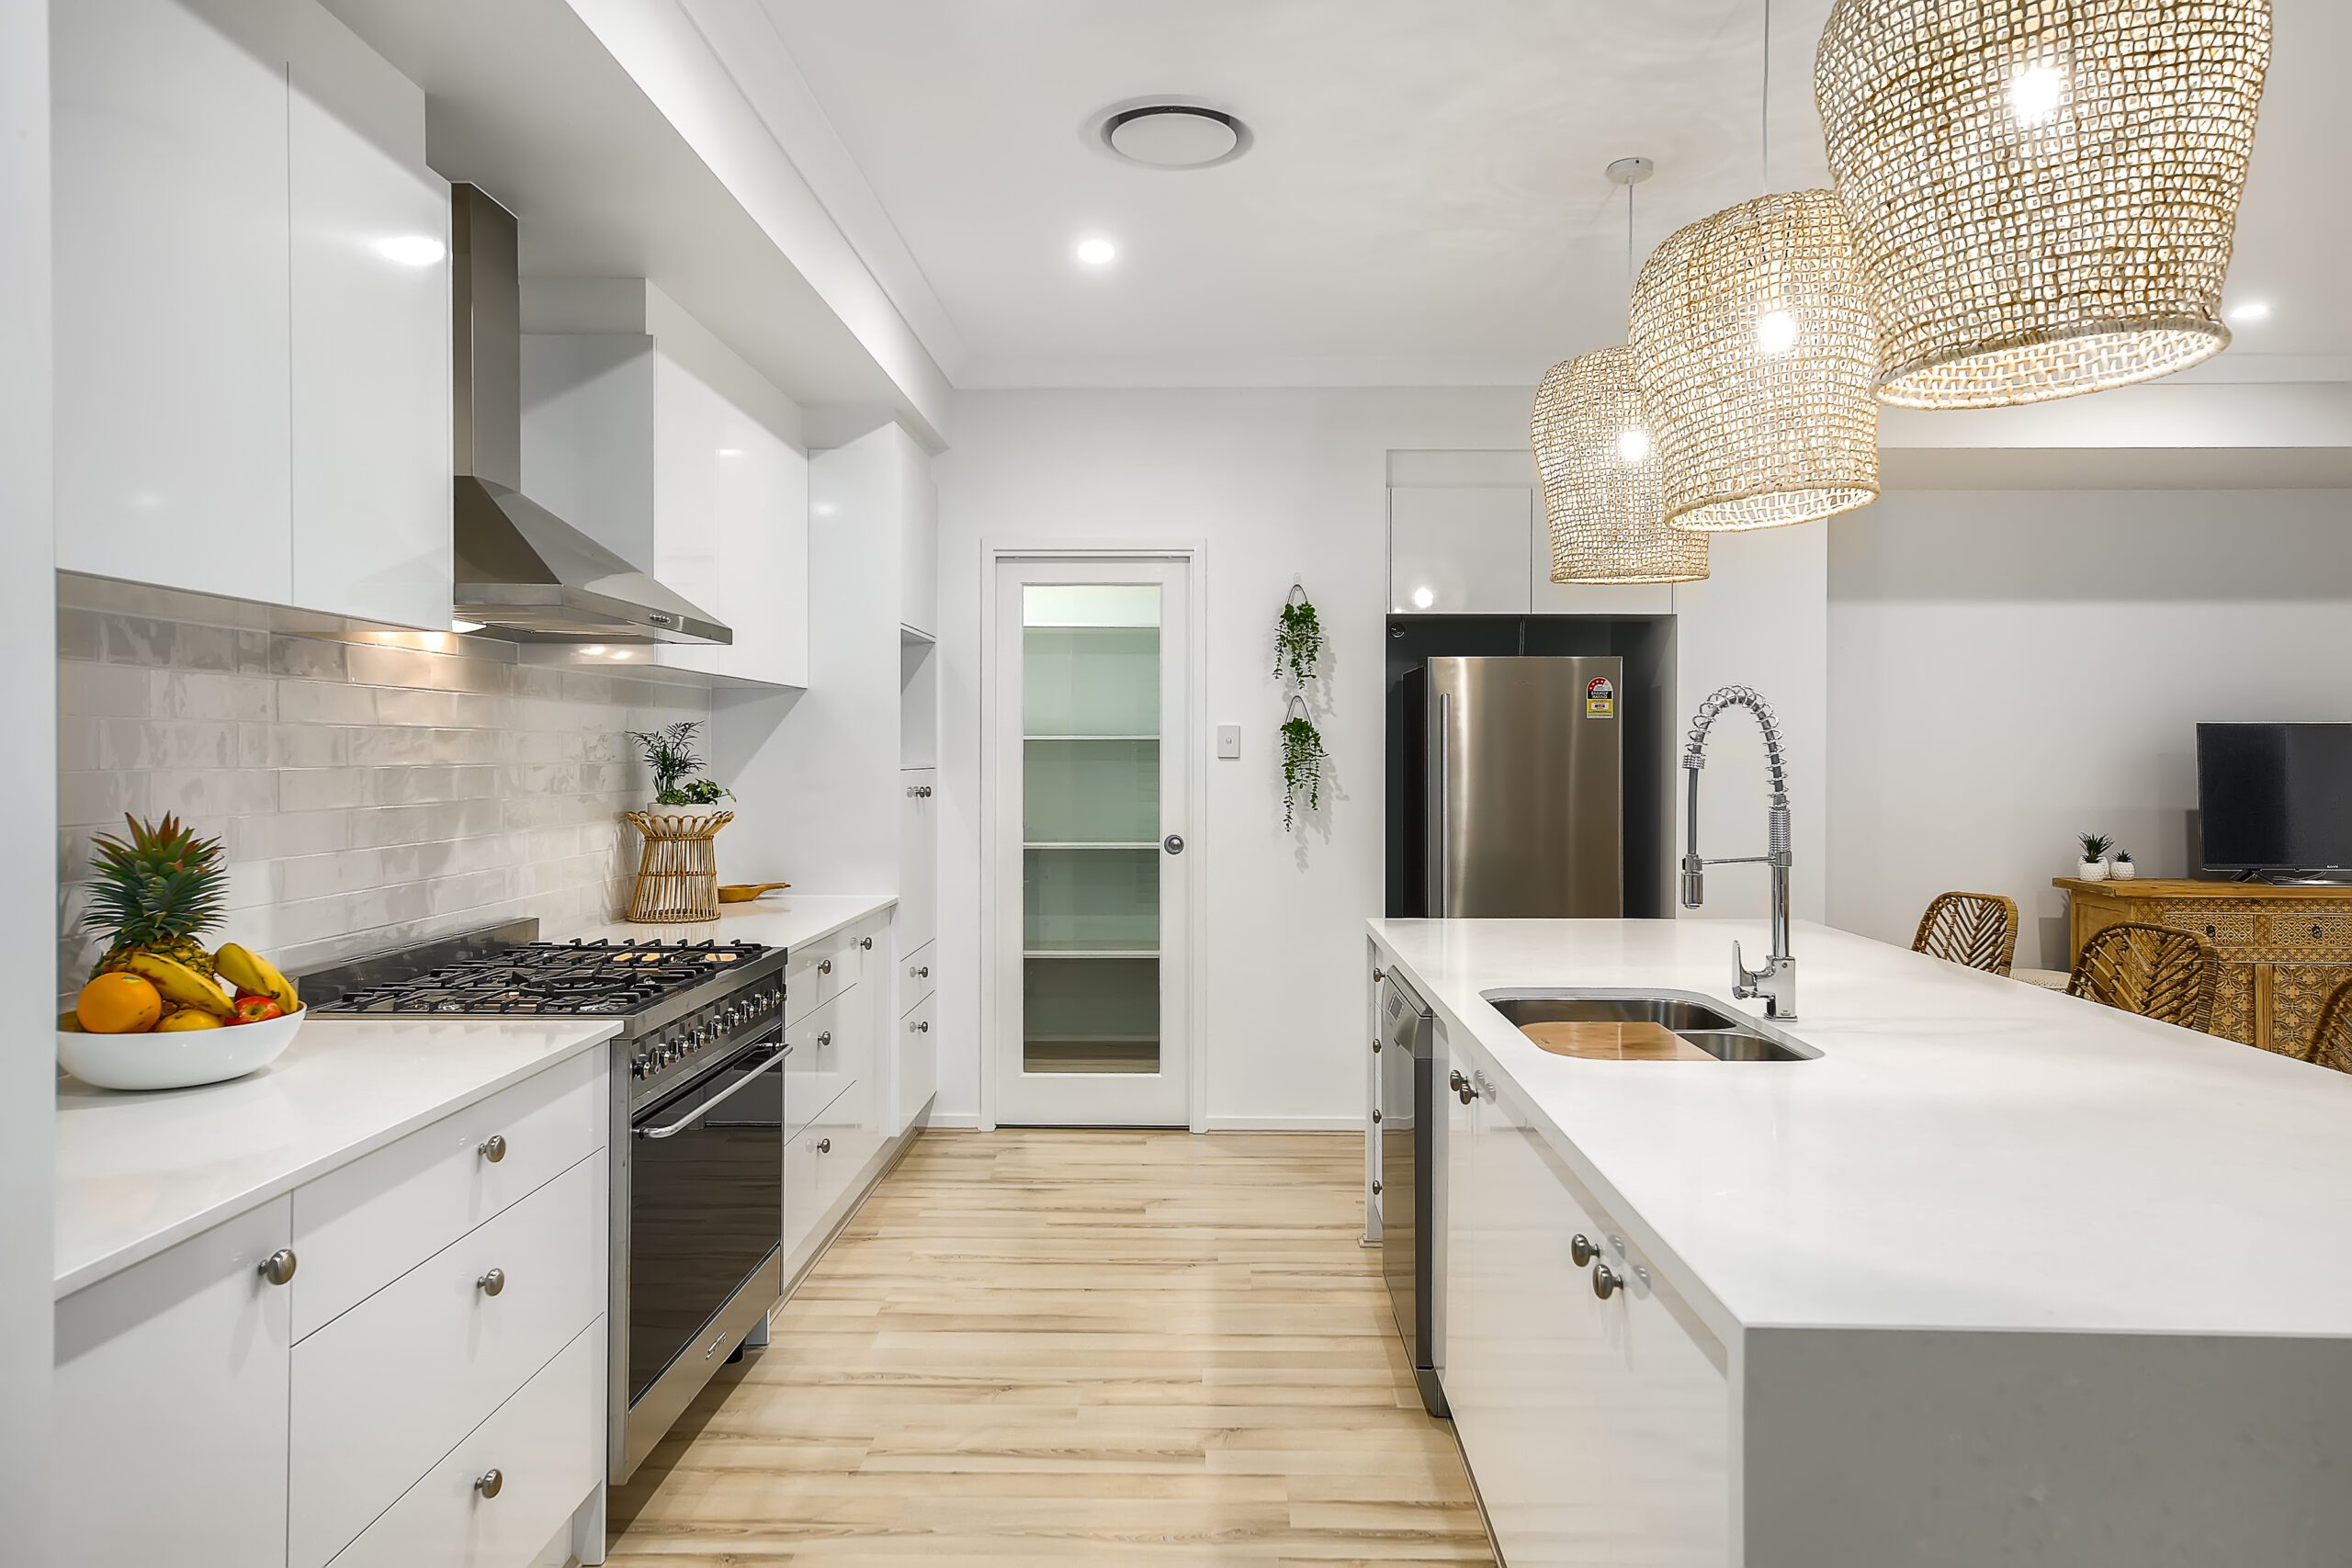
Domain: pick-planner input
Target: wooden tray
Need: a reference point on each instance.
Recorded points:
(744, 892)
(1614, 1042)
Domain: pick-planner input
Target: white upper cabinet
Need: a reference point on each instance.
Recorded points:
(172, 343)
(667, 450)
(1458, 550)
(919, 555)
(371, 433)
(253, 335)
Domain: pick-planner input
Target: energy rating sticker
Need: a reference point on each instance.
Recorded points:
(1599, 698)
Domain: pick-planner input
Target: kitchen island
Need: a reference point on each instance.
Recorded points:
(2000, 1275)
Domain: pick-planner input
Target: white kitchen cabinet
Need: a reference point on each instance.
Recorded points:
(172, 339)
(169, 1407)
(662, 447)
(1459, 549)
(918, 856)
(919, 555)
(253, 338)
(917, 1052)
(1599, 1429)
(370, 337)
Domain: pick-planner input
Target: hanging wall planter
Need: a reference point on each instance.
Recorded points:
(1299, 640)
(1302, 759)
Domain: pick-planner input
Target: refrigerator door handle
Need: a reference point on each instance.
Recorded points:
(1439, 825)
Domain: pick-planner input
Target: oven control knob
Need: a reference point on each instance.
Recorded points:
(700, 1035)
(733, 1016)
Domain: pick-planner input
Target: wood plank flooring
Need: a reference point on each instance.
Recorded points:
(1062, 1348)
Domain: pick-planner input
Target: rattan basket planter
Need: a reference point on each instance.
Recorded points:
(677, 874)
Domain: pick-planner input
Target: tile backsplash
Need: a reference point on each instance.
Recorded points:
(373, 787)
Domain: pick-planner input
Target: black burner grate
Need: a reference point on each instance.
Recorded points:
(562, 978)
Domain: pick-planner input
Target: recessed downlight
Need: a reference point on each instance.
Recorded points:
(1096, 251)
(1175, 136)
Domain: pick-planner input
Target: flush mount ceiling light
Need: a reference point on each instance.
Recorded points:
(2042, 197)
(1175, 136)
(1605, 496)
(1753, 350)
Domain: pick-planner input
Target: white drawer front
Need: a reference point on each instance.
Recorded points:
(845, 1135)
(815, 974)
(916, 1047)
(386, 1389)
(548, 1446)
(360, 1227)
(812, 1074)
(918, 976)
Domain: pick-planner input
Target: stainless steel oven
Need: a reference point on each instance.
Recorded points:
(697, 1233)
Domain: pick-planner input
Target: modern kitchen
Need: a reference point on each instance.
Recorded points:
(1537, 784)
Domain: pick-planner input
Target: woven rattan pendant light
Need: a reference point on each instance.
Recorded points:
(1754, 347)
(2043, 193)
(1604, 491)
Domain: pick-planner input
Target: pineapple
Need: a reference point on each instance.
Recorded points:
(155, 892)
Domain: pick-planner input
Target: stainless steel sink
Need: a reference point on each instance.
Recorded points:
(1693, 1019)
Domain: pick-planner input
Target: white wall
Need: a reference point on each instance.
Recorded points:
(1277, 485)
(27, 811)
(2007, 668)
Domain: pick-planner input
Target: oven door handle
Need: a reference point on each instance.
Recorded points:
(714, 1102)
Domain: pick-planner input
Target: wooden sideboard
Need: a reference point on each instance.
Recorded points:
(2282, 948)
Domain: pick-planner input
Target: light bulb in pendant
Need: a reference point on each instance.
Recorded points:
(1776, 332)
(1632, 445)
(2035, 93)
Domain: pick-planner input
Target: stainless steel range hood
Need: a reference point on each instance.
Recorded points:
(524, 573)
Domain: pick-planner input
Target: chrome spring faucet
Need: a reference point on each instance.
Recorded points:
(1777, 981)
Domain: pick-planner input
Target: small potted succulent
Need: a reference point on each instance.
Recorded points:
(2092, 866)
(2120, 867)
(670, 753)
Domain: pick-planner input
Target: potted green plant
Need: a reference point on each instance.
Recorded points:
(670, 753)
(2092, 866)
(2120, 867)
(1303, 760)
(1298, 638)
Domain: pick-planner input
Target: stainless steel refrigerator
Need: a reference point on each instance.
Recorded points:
(1524, 800)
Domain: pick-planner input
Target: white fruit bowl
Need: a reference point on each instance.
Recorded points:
(181, 1059)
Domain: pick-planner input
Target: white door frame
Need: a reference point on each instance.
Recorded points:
(1192, 863)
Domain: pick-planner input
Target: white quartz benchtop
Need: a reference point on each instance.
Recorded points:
(139, 1172)
(1968, 1152)
(781, 920)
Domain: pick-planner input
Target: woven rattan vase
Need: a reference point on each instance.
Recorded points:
(1752, 346)
(677, 874)
(2042, 195)
(1605, 496)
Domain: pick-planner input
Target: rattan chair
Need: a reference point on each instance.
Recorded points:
(1977, 930)
(2332, 1041)
(2154, 971)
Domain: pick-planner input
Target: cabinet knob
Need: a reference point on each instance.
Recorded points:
(1376, 1118)
(1460, 1085)
(923, 973)
(867, 942)
(493, 1148)
(1376, 1186)
(1378, 975)
(491, 1483)
(1606, 1282)
(491, 1283)
(923, 1026)
(278, 1267)
(824, 1040)
(1581, 1250)
(824, 966)
(824, 1145)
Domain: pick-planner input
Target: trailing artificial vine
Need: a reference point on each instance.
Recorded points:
(1299, 640)
(1302, 758)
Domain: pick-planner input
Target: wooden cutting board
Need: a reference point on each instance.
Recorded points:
(1614, 1042)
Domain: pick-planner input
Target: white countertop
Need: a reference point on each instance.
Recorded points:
(139, 1172)
(1968, 1152)
(781, 920)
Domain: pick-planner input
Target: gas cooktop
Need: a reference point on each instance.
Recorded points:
(565, 978)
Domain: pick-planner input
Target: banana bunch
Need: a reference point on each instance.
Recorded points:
(178, 985)
(249, 971)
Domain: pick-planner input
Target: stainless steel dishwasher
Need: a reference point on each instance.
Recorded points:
(1409, 1166)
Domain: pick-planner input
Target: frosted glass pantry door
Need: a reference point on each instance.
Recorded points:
(1092, 714)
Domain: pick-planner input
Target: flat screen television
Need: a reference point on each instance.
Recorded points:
(2275, 797)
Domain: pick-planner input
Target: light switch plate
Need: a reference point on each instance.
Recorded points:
(1228, 740)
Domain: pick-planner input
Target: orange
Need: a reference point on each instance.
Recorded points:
(119, 1003)
(184, 1018)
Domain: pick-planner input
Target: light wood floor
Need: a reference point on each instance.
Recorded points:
(1074, 1347)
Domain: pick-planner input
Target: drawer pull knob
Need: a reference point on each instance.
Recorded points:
(1581, 1250)
(1376, 1186)
(1606, 1282)
(824, 1040)
(492, 1282)
(824, 1145)
(867, 942)
(493, 1148)
(278, 1267)
(924, 973)
(1376, 1118)
(824, 966)
(491, 1483)
(1460, 1085)
(923, 1027)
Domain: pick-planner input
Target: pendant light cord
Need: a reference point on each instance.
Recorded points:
(1764, 109)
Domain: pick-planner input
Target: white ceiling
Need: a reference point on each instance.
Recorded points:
(1424, 204)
